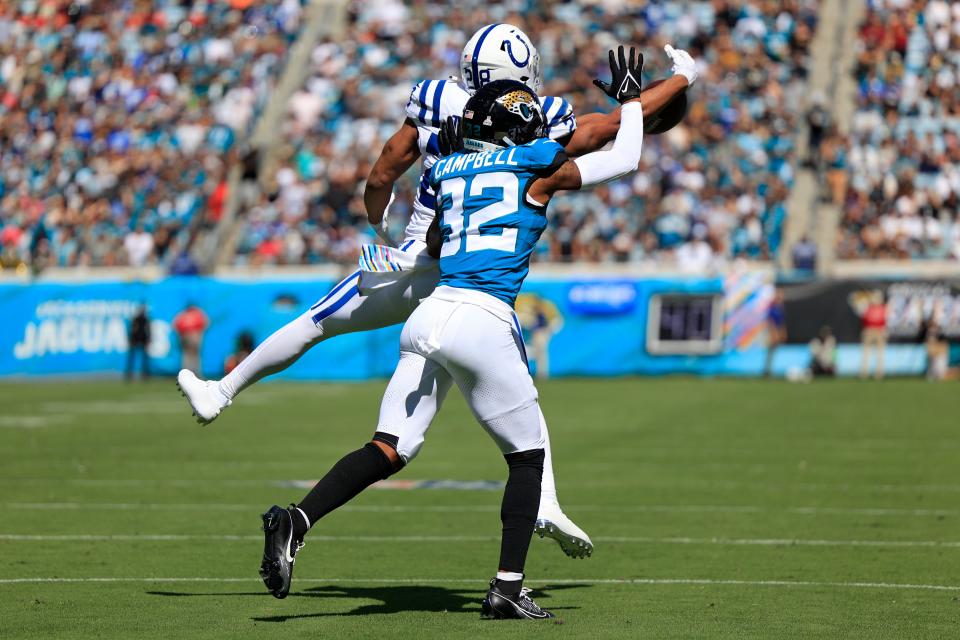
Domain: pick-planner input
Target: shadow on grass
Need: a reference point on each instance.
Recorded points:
(390, 599)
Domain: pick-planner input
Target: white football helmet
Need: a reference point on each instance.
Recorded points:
(499, 52)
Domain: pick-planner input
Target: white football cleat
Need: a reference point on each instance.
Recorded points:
(552, 522)
(205, 399)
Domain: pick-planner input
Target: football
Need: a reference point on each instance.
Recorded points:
(669, 116)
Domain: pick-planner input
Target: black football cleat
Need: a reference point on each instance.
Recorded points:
(279, 550)
(499, 606)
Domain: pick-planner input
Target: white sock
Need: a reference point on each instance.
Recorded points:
(509, 576)
(548, 487)
(280, 350)
(222, 398)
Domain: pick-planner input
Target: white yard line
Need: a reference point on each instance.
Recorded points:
(773, 542)
(32, 421)
(760, 542)
(653, 508)
(481, 581)
(675, 483)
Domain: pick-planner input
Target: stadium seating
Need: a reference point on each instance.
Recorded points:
(116, 131)
(713, 189)
(116, 127)
(898, 178)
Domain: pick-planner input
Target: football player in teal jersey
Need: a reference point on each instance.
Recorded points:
(492, 194)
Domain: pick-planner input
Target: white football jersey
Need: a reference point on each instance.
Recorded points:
(431, 102)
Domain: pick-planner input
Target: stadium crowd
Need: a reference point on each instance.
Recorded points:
(117, 127)
(897, 178)
(118, 121)
(711, 190)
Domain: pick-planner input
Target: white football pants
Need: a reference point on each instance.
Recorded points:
(472, 339)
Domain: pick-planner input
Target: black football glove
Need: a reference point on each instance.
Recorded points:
(450, 140)
(625, 81)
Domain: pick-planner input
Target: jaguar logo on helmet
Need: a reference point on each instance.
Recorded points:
(520, 103)
(499, 52)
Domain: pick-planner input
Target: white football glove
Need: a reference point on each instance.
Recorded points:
(683, 63)
(383, 229)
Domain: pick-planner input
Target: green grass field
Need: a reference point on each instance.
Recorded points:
(719, 509)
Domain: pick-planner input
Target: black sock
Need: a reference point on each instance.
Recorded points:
(300, 524)
(352, 474)
(518, 512)
(509, 587)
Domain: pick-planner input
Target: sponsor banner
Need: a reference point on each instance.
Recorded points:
(840, 305)
(602, 298)
(70, 328)
(575, 327)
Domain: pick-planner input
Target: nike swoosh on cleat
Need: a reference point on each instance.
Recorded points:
(286, 548)
(526, 614)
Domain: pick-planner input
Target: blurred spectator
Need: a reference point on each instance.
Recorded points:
(695, 255)
(823, 354)
(244, 347)
(805, 255)
(817, 120)
(190, 324)
(184, 265)
(138, 339)
(139, 247)
(937, 348)
(834, 163)
(776, 330)
(874, 334)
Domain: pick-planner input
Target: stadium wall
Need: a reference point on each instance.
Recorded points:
(603, 323)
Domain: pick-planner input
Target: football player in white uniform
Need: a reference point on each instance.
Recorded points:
(369, 298)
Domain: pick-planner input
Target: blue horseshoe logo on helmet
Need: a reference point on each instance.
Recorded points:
(505, 46)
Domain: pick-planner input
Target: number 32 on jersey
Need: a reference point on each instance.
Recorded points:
(476, 205)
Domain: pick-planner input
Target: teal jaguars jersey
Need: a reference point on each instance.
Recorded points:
(488, 226)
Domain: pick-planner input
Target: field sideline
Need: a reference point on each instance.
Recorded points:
(720, 509)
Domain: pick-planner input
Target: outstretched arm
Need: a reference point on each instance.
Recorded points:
(398, 155)
(599, 166)
(595, 130)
